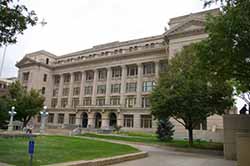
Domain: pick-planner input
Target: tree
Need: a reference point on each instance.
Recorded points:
(226, 50)
(165, 130)
(187, 94)
(3, 112)
(27, 103)
(14, 19)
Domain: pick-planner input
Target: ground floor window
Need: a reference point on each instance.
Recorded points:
(38, 118)
(75, 102)
(60, 118)
(51, 118)
(146, 121)
(128, 121)
(72, 118)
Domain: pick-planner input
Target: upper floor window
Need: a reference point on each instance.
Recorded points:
(43, 90)
(148, 68)
(115, 88)
(47, 60)
(148, 86)
(44, 77)
(87, 101)
(100, 101)
(132, 70)
(64, 102)
(115, 100)
(102, 74)
(76, 91)
(75, 102)
(163, 66)
(55, 92)
(53, 103)
(145, 102)
(88, 90)
(56, 79)
(130, 101)
(26, 76)
(66, 78)
(77, 76)
(65, 91)
(89, 75)
(116, 72)
(101, 89)
(131, 87)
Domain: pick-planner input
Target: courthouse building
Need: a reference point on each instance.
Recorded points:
(109, 85)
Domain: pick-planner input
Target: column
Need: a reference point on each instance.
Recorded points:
(123, 85)
(71, 86)
(157, 72)
(108, 86)
(55, 120)
(91, 120)
(139, 85)
(78, 119)
(94, 87)
(82, 89)
(66, 119)
(105, 121)
(60, 92)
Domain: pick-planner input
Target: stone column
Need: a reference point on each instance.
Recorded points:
(157, 72)
(60, 92)
(94, 87)
(71, 86)
(78, 119)
(55, 120)
(108, 86)
(119, 118)
(123, 85)
(91, 120)
(105, 121)
(66, 119)
(82, 89)
(139, 85)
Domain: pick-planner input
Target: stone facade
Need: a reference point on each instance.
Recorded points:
(109, 85)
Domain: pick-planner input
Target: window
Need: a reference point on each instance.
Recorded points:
(87, 101)
(148, 68)
(131, 87)
(163, 66)
(128, 121)
(38, 118)
(145, 102)
(89, 75)
(115, 100)
(53, 103)
(64, 102)
(56, 79)
(55, 92)
(60, 119)
(44, 77)
(66, 78)
(51, 118)
(43, 90)
(102, 74)
(65, 91)
(130, 102)
(132, 70)
(77, 76)
(148, 86)
(72, 118)
(47, 60)
(146, 121)
(75, 102)
(26, 76)
(88, 90)
(116, 72)
(115, 88)
(100, 101)
(76, 91)
(101, 89)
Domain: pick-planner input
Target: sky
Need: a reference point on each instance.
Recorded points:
(80, 24)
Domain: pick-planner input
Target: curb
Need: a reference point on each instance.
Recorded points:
(104, 161)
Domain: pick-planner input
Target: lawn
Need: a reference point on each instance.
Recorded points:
(152, 139)
(57, 149)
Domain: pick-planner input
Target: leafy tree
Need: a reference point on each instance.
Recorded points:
(14, 19)
(165, 130)
(27, 103)
(3, 112)
(226, 51)
(187, 94)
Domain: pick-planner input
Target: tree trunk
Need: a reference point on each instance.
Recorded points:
(190, 136)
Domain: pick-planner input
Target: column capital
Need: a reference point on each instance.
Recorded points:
(139, 64)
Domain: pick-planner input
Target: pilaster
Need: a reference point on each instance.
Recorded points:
(139, 85)
(108, 86)
(60, 92)
(94, 87)
(123, 85)
(82, 89)
(71, 84)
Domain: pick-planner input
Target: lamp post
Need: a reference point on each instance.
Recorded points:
(43, 117)
(12, 113)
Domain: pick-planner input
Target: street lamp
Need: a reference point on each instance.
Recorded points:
(43, 117)
(12, 113)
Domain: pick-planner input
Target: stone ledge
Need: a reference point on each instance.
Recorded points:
(104, 161)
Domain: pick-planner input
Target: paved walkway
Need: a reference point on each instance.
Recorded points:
(160, 157)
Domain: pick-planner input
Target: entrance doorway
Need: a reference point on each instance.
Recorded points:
(98, 120)
(84, 120)
(112, 120)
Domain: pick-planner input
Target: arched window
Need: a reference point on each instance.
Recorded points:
(47, 60)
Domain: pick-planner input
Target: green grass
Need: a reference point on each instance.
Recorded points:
(57, 149)
(152, 139)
